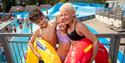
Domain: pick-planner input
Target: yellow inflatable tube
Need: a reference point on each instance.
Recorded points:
(47, 52)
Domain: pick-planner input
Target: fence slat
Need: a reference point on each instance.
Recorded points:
(117, 43)
(14, 52)
(112, 48)
(23, 53)
(19, 52)
(6, 49)
(123, 56)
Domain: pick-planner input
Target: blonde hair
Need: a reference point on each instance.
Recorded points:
(56, 19)
(67, 7)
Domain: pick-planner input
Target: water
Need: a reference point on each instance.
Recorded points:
(2, 56)
(82, 9)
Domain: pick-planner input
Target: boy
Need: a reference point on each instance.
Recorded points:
(46, 31)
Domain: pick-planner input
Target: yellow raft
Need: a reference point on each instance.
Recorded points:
(47, 52)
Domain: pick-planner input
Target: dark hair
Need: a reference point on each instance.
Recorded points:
(106, 5)
(35, 15)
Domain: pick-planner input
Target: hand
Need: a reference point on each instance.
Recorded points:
(91, 60)
(41, 61)
(38, 55)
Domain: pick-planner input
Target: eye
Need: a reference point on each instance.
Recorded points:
(41, 17)
(37, 21)
(61, 15)
(65, 14)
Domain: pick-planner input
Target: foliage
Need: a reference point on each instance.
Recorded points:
(89, 1)
(1, 8)
(7, 4)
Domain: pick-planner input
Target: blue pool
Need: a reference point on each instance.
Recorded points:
(82, 10)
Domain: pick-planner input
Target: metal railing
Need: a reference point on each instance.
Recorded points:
(116, 14)
(11, 50)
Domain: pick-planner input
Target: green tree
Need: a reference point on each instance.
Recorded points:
(1, 8)
(8, 4)
(13, 2)
(98, 1)
(89, 1)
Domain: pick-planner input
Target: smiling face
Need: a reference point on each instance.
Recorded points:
(65, 17)
(61, 25)
(37, 17)
(42, 22)
(67, 13)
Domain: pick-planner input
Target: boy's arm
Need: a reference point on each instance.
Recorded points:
(53, 23)
(31, 43)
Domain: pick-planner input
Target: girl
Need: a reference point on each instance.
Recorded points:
(63, 39)
(77, 31)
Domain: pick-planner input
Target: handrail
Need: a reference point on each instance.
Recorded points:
(107, 35)
(29, 34)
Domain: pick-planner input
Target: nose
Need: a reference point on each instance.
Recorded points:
(62, 19)
(62, 16)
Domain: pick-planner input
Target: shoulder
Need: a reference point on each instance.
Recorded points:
(37, 31)
(80, 25)
(81, 28)
(53, 23)
(57, 31)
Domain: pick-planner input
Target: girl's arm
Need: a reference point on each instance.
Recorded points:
(83, 30)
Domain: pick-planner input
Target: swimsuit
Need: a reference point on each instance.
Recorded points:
(74, 35)
(85, 58)
(62, 38)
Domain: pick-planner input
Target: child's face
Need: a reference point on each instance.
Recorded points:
(62, 26)
(42, 22)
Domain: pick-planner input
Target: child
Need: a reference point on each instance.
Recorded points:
(78, 32)
(63, 39)
(45, 28)
(14, 28)
(20, 25)
(0, 19)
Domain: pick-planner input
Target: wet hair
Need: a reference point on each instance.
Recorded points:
(67, 7)
(56, 18)
(35, 15)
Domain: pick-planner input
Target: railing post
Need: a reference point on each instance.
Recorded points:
(123, 20)
(114, 47)
(6, 49)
